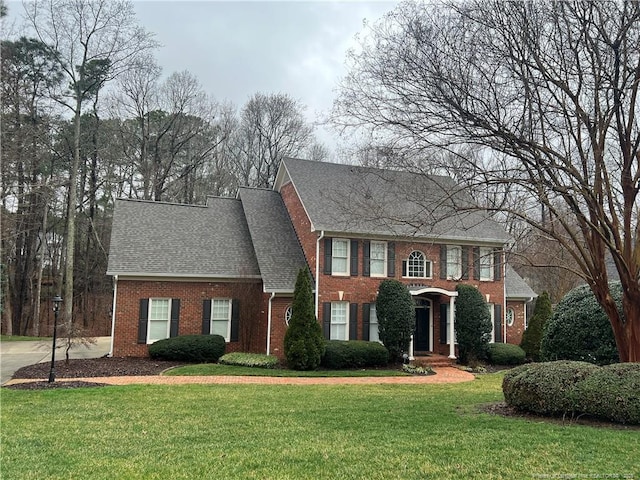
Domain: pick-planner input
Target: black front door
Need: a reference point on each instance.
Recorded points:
(421, 337)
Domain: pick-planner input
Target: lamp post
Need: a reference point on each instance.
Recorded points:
(56, 309)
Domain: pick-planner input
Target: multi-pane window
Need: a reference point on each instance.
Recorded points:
(511, 316)
(454, 262)
(417, 266)
(221, 317)
(378, 259)
(374, 334)
(159, 319)
(340, 256)
(486, 263)
(339, 320)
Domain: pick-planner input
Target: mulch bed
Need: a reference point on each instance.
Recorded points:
(97, 367)
(57, 385)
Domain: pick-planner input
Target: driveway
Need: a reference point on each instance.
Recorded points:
(14, 355)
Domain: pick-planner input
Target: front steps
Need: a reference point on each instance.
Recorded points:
(433, 360)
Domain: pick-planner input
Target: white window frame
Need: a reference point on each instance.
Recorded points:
(345, 323)
(427, 267)
(454, 263)
(383, 246)
(510, 316)
(347, 259)
(486, 263)
(149, 319)
(374, 333)
(227, 335)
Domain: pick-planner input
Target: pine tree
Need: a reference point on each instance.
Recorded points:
(533, 334)
(304, 343)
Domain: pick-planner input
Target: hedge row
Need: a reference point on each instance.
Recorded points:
(341, 354)
(572, 388)
(249, 360)
(505, 354)
(189, 348)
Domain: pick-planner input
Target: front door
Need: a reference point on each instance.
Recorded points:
(421, 337)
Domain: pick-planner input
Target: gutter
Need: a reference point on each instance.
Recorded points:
(318, 270)
(273, 294)
(113, 313)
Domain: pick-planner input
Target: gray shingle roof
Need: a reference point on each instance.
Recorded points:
(515, 286)
(369, 201)
(162, 239)
(278, 251)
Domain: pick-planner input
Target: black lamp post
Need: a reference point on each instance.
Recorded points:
(57, 300)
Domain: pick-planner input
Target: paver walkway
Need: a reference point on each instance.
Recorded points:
(443, 375)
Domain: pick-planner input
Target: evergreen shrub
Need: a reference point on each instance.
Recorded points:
(473, 324)
(533, 334)
(396, 317)
(258, 360)
(580, 330)
(342, 354)
(189, 348)
(505, 354)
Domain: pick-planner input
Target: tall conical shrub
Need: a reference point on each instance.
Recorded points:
(533, 334)
(303, 343)
(396, 317)
(473, 324)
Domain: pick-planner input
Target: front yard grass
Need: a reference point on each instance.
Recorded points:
(297, 432)
(207, 369)
(22, 338)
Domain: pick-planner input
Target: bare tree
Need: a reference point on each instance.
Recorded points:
(94, 41)
(548, 91)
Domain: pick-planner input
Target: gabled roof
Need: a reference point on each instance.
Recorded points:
(275, 242)
(368, 201)
(515, 286)
(174, 240)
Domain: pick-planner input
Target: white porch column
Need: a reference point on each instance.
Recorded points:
(452, 346)
(411, 357)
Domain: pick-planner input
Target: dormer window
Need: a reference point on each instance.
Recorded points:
(416, 266)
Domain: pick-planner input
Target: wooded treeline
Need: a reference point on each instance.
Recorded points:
(87, 117)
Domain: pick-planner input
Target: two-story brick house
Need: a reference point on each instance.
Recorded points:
(230, 267)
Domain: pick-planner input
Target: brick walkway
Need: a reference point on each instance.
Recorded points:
(443, 375)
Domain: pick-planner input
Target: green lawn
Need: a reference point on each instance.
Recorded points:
(219, 369)
(293, 432)
(21, 338)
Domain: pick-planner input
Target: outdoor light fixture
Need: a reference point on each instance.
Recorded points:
(57, 300)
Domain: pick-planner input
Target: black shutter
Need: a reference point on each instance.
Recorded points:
(391, 259)
(326, 320)
(497, 264)
(476, 263)
(353, 321)
(354, 258)
(404, 269)
(175, 317)
(443, 262)
(206, 317)
(143, 317)
(366, 320)
(328, 248)
(497, 323)
(443, 323)
(464, 252)
(366, 258)
(235, 320)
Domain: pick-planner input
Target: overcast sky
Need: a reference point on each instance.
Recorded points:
(238, 48)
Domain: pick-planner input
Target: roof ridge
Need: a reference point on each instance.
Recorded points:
(159, 202)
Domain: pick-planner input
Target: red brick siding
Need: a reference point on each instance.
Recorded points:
(252, 326)
(301, 224)
(515, 331)
(278, 325)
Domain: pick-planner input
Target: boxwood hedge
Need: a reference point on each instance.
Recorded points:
(341, 354)
(258, 360)
(576, 388)
(505, 354)
(189, 348)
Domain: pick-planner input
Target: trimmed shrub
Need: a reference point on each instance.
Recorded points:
(258, 360)
(189, 348)
(533, 334)
(611, 392)
(396, 317)
(545, 388)
(473, 324)
(580, 330)
(505, 354)
(303, 342)
(341, 354)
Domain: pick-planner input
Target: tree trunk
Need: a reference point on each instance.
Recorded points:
(40, 257)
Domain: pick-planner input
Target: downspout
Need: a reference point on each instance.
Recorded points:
(504, 288)
(273, 294)
(318, 270)
(113, 313)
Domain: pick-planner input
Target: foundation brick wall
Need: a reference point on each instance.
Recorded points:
(252, 322)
